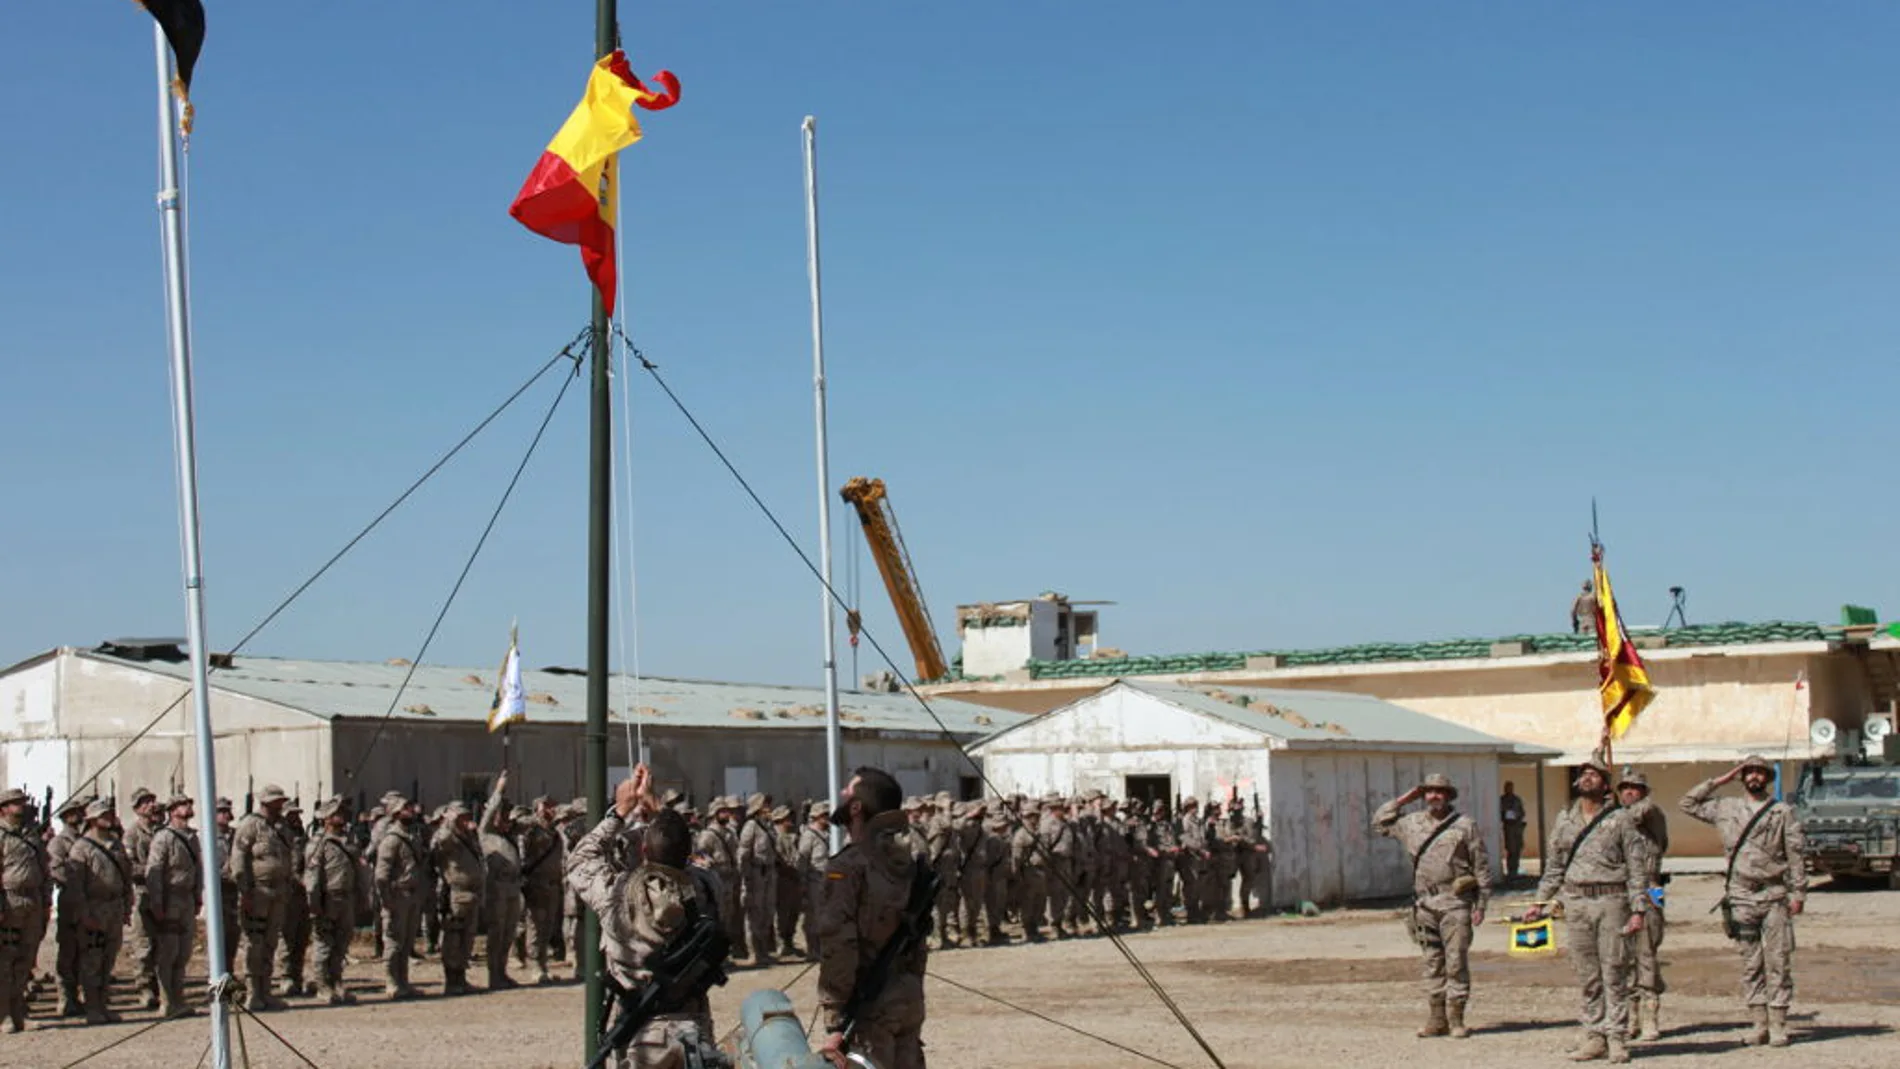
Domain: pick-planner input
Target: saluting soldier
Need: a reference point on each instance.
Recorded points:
(758, 877)
(867, 886)
(137, 841)
(1029, 871)
(1451, 887)
(641, 908)
(543, 857)
(1599, 862)
(174, 890)
(1765, 889)
(456, 852)
(261, 868)
(1646, 981)
(26, 895)
(401, 887)
(331, 873)
(100, 880)
(66, 916)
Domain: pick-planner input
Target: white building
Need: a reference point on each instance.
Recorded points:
(1318, 762)
(1000, 638)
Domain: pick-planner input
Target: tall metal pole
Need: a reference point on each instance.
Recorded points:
(834, 736)
(599, 579)
(171, 211)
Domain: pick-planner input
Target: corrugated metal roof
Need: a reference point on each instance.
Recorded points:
(359, 689)
(1320, 716)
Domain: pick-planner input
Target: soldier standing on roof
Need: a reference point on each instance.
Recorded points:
(1583, 611)
(1451, 887)
(1766, 888)
(1599, 862)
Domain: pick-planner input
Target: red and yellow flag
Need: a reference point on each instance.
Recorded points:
(572, 194)
(1623, 681)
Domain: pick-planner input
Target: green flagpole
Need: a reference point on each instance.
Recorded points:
(599, 545)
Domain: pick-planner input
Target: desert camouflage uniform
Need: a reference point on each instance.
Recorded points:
(1450, 880)
(174, 889)
(100, 880)
(26, 893)
(1601, 883)
(866, 888)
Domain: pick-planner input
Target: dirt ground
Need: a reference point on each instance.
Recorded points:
(1281, 992)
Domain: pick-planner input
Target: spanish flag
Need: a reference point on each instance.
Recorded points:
(1623, 681)
(183, 24)
(572, 194)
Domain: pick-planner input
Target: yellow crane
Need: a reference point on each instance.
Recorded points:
(900, 576)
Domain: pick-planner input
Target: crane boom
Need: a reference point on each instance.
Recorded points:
(900, 576)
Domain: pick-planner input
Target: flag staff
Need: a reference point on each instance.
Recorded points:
(171, 214)
(834, 742)
(599, 550)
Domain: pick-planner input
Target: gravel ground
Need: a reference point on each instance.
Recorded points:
(1282, 992)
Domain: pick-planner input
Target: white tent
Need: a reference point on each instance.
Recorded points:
(1318, 763)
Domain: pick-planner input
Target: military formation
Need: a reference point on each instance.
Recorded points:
(1603, 873)
(765, 879)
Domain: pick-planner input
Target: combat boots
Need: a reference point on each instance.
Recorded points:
(1758, 1026)
(455, 982)
(1649, 1009)
(1435, 1023)
(69, 1000)
(1455, 1018)
(96, 1011)
(1619, 1051)
(1778, 1027)
(1593, 1048)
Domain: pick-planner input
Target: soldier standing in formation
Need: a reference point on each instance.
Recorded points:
(501, 884)
(66, 915)
(1646, 981)
(758, 877)
(1223, 863)
(26, 893)
(295, 942)
(942, 850)
(100, 880)
(814, 851)
(1451, 888)
(1058, 839)
(788, 893)
(973, 873)
(1191, 861)
(1256, 863)
(138, 848)
(174, 892)
(400, 888)
(543, 856)
(573, 826)
(718, 847)
(228, 890)
(331, 875)
(1029, 871)
(456, 853)
(1599, 863)
(260, 865)
(1765, 889)
(867, 885)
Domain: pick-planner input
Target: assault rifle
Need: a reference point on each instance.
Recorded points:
(913, 926)
(691, 963)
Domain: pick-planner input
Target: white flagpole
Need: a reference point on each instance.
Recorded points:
(171, 214)
(834, 736)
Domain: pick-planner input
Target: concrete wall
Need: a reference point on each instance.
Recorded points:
(1321, 818)
(992, 651)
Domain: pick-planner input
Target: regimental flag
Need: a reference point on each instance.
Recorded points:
(1623, 681)
(511, 700)
(1537, 937)
(572, 195)
(183, 23)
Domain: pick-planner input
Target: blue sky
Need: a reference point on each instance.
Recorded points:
(1278, 325)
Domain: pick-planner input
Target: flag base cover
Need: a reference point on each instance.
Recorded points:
(572, 194)
(1537, 937)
